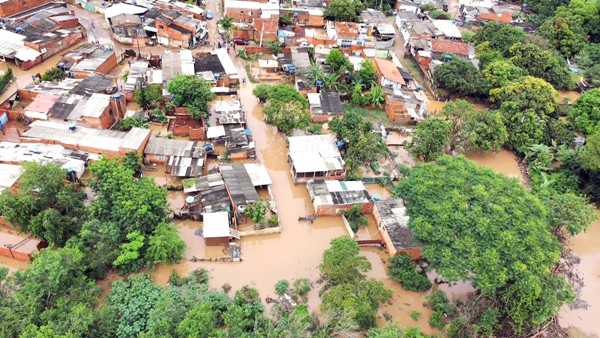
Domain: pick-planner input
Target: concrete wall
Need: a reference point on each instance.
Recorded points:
(243, 15)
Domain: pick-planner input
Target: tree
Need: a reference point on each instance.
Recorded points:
(282, 286)
(344, 10)
(198, 322)
(331, 82)
(101, 241)
(504, 252)
(261, 92)
(402, 268)
(315, 73)
(191, 92)
(54, 74)
(499, 73)
(165, 245)
(592, 74)
(543, 64)
(431, 138)
(566, 36)
(132, 301)
(590, 153)
(363, 149)
(338, 62)
(131, 255)
(245, 313)
(438, 14)
(226, 24)
(355, 217)
(276, 47)
(458, 77)
(53, 227)
(392, 330)
(569, 212)
(341, 262)
(149, 97)
(586, 115)
(588, 56)
(287, 116)
(526, 106)
(366, 75)
(499, 36)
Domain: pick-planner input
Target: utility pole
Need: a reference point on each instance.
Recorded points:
(262, 31)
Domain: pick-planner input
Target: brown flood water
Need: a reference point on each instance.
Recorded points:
(587, 246)
(504, 162)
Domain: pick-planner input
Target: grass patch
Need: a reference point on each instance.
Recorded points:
(249, 73)
(372, 115)
(414, 69)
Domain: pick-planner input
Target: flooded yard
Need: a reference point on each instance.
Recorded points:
(503, 161)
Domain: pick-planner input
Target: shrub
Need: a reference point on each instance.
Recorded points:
(273, 221)
(415, 315)
(356, 218)
(441, 15)
(54, 74)
(402, 268)
(282, 286)
(5, 79)
(302, 286)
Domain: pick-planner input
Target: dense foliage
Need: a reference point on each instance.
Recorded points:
(192, 92)
(54, 74)
(349, 295)
(402, 268)
(458, 77)
(149, 97)
(344, 10)
(5, 79)
(286, 108)
(362, 146)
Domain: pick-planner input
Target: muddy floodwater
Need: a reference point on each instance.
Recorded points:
(587, 246)
(503, 161)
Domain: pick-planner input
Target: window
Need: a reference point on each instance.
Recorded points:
(250, 13)
(241, 12)
(161, 27)
(24, 3)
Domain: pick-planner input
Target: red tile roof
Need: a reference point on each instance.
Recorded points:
(454, 47)
(389, 70)
(498, 17)
(346, 29)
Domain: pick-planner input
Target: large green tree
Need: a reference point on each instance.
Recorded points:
(526, 105)
(287, 116)
(430, 139)
(344, 10)
(499, 73)
(191, 92)
(543, 64)
(586, 115)
(485, 228)
(338, 62)
(565, 35)
(458, 77)
(500, 36)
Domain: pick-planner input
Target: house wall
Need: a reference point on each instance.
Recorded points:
(324, 118)
(29, 64)
(220, 241)
(12, 7)
(243, 15)
(73, 23)
(396, 111)
(414, 252)
(55, 46)
(335, 210)
(103, 122)
(175, 38)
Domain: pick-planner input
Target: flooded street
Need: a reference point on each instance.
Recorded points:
(587, 246)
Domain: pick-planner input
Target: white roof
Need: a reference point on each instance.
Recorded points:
(314, 99)
(251, 5)
(187, 62)
(448, 28)
(215, 132)
(227, 106)
(123, 8)
(95, 105)
(258, 174)
(9, 174)
(226, 61)
(215, 224)
(315, 153)
(12, 46)
(355, 61)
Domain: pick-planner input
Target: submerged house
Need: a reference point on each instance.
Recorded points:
(315, 157)
(330, 197)
(182, 158)
(392, 222)
(325, 106)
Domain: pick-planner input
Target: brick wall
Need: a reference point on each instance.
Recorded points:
(108, 65)
(11, 7)
(243, 15)
(335, 210)
(396, 111)
(73, 23)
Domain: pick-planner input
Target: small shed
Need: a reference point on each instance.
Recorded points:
(216, 230)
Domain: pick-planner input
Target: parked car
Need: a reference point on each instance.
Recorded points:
(209, 15)
(242, 42)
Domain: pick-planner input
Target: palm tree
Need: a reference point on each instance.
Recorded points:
(331, 82)
(226, 24)
(315, 73)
